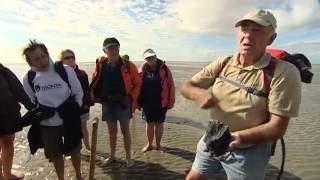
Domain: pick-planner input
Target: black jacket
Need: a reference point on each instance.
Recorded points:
(11, 93)
(83, 78)
(69, 111)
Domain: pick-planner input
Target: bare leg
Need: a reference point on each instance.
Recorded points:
(59, 166)
(76, 162)
(1, 175)
(126, 137)
(85, 134)
(113, 130)
(127, 141)
(150, 135)
(7, 152)
(158, 133)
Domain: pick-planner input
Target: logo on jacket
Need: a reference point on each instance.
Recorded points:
(37, 88)
(47, 87)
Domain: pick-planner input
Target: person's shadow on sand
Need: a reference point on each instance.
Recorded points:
(142, 170)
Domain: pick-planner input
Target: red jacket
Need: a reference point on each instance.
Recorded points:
(168, 90)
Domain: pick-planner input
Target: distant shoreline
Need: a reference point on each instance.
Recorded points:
(138, 62)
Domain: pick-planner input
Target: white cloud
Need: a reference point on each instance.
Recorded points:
(220, 16)
(10, 52)
(167, 26)
(302, 13)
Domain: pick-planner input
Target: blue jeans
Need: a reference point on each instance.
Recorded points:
(241, 164)
(114, 112)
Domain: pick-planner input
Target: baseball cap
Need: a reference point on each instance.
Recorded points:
(110, 42)
(148, 53)
(260, 16)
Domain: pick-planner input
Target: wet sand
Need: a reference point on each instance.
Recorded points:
(183, 128)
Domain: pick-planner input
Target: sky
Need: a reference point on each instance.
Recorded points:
(178, 30)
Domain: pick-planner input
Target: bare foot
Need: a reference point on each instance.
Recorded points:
(147, 148)
(14, 176)
(108, 161)
(129, 163)
(67, 157)
(87, 146)
(80, 177)
(159, 148)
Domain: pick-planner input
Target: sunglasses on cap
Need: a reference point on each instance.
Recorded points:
(68, 57)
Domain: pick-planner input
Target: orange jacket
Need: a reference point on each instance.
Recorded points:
(130, 78)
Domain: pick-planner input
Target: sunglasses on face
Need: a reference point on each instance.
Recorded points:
(68, 57)
(112, 48)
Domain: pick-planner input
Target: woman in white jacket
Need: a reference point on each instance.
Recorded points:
(51, 90)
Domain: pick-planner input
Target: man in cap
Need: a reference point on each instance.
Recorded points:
(116, 85)
(255, 116)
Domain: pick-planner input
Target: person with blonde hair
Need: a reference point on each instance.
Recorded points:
(68, 57)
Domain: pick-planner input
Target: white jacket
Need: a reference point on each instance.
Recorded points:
(51, 90)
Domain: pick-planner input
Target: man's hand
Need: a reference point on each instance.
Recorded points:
(205, 99)
(235, 141)
(192, 92)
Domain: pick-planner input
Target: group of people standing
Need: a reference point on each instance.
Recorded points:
(251, 92)
(62, 93)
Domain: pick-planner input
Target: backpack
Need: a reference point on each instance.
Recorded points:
(58, 67)
(300, 61)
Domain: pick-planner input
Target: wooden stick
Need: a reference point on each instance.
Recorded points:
(93, 147)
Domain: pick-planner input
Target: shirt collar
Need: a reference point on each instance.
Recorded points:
(260, 64)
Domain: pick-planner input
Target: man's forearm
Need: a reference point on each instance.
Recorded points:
(264, 133)
(190, 91)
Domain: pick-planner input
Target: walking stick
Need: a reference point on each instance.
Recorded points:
(93, 147)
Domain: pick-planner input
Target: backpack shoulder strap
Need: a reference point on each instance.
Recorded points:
(165, 68)
(100, 59)
(224, 64)
(268, 73)
(126, 63)
(30, 75)
(59, 68)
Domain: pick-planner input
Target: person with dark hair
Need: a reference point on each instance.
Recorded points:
(116, 85)
(60, 134)
(126, 56)
(252, 94)
(157, 95)
(12, 93)
(68, 57)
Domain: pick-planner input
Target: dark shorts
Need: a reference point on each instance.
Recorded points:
(154, 114)
(52, 138)
(10, 125)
